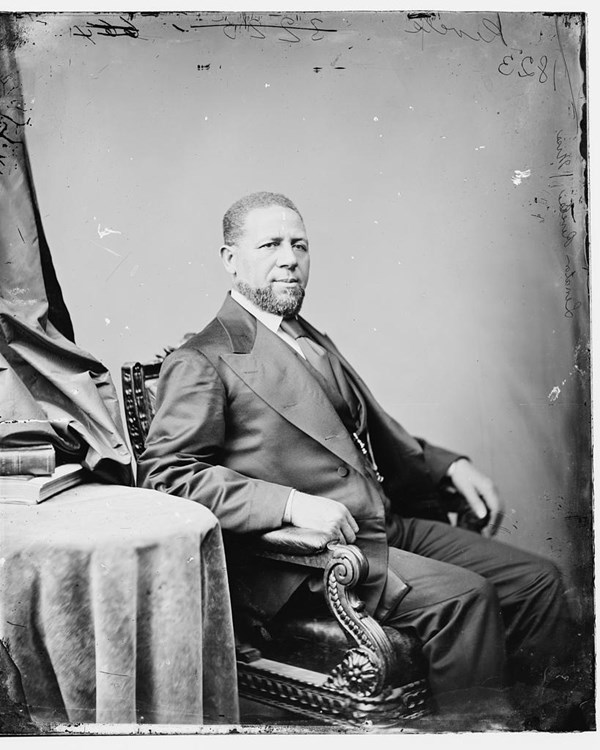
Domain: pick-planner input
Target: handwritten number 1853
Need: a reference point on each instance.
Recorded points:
(525, 68)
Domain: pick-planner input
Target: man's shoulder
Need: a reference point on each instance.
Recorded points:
(197, 352)
(231, 330)
(213, 337)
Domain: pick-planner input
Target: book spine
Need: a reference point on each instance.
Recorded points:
(19, 461)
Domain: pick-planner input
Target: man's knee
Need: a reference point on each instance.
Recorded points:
(544, 581)
(433, 582)
(485, 590)
(476, 590)
(481, 595)
(549, 575)
(467, 598)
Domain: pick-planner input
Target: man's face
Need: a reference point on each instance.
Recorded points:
(269, 262)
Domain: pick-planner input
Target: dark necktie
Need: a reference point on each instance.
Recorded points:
(313, 352)
(343, 396)
(330, 370)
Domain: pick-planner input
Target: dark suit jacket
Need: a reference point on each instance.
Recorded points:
(240, 420)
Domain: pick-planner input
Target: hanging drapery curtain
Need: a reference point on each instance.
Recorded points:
(50, 389)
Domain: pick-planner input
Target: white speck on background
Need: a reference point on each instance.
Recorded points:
(519, 176)
(107, 321)
(554, 393)
(376, 119)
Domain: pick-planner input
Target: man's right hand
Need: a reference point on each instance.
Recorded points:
(324, 514)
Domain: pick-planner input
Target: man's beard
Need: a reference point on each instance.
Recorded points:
(286, 304)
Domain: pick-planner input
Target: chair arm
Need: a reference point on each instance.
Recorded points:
(369, 668)
(308, 547)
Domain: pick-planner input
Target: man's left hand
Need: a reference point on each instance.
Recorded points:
(479, 492)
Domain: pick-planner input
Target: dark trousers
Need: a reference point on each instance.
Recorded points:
(487, 613)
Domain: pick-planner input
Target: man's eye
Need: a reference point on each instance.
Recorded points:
(301, 247)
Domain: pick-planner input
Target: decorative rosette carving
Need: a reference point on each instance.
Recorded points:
(367, 669)
(356, 673)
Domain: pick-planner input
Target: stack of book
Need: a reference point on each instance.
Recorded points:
(29, 474)
(37, 460)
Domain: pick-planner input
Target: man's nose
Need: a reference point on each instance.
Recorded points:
(286, 255)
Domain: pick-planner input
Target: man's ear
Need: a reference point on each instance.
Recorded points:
(227, 253)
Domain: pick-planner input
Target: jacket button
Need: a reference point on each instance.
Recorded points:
(343, 471)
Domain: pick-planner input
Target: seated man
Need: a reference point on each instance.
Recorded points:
(260, 418)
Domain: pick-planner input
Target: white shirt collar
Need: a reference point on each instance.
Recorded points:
(270, 320)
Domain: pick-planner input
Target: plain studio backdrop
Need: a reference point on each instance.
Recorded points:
(436, 160)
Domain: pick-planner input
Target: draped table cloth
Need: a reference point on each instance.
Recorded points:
(114, 608)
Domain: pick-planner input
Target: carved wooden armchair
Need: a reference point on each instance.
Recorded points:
(340, 666)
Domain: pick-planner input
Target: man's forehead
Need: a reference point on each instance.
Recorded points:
(269, 219)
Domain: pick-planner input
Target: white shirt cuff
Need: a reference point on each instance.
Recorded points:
(287, 513)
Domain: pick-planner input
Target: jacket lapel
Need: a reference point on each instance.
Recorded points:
(271, 368)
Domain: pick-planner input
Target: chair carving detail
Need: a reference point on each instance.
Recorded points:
(365, 670)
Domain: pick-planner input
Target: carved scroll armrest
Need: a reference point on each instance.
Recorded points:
(368, 669)
(370, 666)
(307, 547)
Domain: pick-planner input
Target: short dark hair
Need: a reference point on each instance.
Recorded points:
(235, 216)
